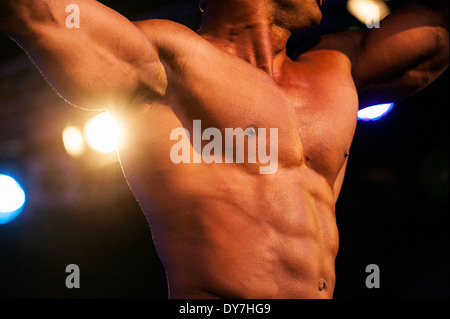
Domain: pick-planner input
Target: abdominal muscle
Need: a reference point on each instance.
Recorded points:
(222, 229)
(235, 235)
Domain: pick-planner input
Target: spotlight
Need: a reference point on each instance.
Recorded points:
(369, 12)
(12, 198)
(73, 141)
(374, 112)
(102, 133)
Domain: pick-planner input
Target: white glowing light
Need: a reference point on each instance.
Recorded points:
(73, 141)
(375, 112)
(102, 133)
(369, 12)
(12, 198)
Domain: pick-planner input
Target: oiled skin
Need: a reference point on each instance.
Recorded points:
(223, 230)
(238, 233)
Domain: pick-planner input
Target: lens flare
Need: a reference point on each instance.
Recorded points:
(12, 198)
(73, 141)
(369, 12)
(375, 112)
(102, 133)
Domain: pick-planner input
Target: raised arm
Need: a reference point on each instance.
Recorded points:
(104, 61)
(404, 55)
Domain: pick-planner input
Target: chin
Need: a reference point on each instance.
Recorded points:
(312, 20)
(316, 17)
(299, 18)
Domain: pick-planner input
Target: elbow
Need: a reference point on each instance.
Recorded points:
(19, 18)
(435, 56)
(8, 15)
(439, 55)
(443, 47)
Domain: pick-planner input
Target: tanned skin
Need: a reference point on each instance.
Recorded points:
(225, 230)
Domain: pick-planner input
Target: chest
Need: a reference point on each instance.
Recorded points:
(325, 103)
(313, 105)
(312, 108)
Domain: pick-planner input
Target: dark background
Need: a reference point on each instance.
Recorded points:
(393, 209)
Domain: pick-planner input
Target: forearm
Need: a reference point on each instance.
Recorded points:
(438, 16)
(8, 13)
(440, 8)
(16, 15)
(22, 18)
(438, 4)
(415, 46)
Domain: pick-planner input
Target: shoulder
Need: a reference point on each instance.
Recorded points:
(172, 39)
(341, 43)
(163, 32)
(328, 53)
(153, 27)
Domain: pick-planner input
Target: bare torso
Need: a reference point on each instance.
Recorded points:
(224, 230)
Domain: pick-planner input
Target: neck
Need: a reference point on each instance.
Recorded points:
(245, 29)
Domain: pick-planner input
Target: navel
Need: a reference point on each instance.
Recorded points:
(322, 285)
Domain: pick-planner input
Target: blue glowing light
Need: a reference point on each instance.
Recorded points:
(375, 112)
(12, 198)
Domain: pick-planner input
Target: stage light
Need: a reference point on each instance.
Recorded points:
(369, 12)
(12, 198)
(73, 141)
(102, 133)
(375, 112)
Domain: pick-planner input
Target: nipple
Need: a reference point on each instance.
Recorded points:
(252, 130)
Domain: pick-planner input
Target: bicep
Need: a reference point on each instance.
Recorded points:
(106, 60)
(407, 52)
